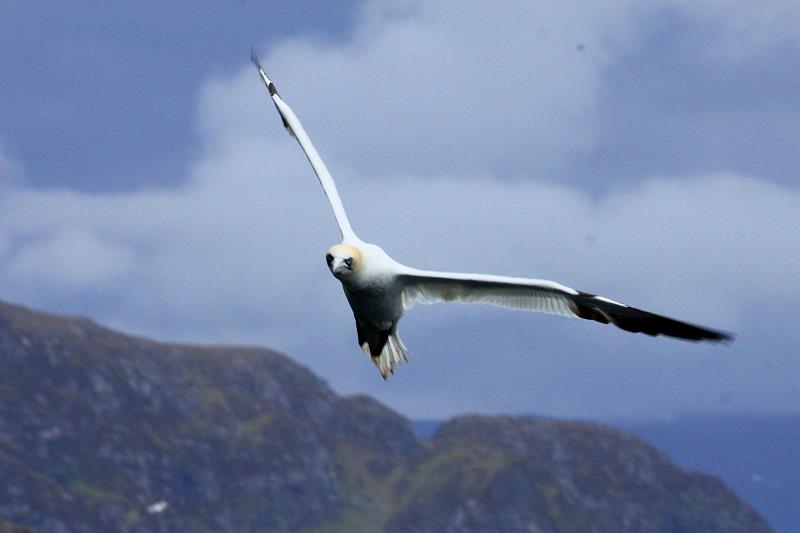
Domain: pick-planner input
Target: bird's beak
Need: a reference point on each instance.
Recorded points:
(338, 265)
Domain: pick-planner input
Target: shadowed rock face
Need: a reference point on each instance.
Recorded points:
(96, 426)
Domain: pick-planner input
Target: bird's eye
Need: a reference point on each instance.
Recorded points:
(329, 259)
(349, 262)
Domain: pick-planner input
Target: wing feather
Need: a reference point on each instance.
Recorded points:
(512, 293)
(546, 297)
(296, 130)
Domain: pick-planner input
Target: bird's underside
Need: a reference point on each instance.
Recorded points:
(379, 289)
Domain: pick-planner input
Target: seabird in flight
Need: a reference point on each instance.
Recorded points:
(380, 290)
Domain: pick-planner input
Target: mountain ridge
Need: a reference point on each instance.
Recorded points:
(97, 426)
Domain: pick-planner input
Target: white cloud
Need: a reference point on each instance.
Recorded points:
(235, 254)
(440, 88)
(70, 257)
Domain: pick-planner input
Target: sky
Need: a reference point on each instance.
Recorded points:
(645, 152)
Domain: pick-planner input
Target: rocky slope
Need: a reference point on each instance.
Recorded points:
(101, 431)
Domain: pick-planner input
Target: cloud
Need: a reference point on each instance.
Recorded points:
(236, 256)
(444, 167)
(432, 89)
(744, 29)
(70, 257)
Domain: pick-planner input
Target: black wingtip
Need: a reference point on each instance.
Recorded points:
(697, 333)
(268, 82)
(724, 337)
(591, 307)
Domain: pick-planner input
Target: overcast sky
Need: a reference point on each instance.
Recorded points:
(648, 154)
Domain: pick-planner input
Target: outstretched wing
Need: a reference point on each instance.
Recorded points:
(545, 297)
(295, 129)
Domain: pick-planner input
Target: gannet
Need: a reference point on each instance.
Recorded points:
(379, 289)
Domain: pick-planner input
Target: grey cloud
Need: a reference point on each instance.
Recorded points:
(234, 254)
(444, 88)
(747, 29)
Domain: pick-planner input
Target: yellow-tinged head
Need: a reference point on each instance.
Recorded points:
(343, 259)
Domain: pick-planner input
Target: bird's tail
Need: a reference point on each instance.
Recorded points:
(393, 353)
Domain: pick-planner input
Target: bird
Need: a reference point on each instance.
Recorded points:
(380, 290)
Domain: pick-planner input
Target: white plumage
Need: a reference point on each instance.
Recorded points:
(379, 289)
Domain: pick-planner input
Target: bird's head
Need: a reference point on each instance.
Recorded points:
(343, 259)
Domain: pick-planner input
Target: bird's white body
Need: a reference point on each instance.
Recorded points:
(374, 291)
(379, 289)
